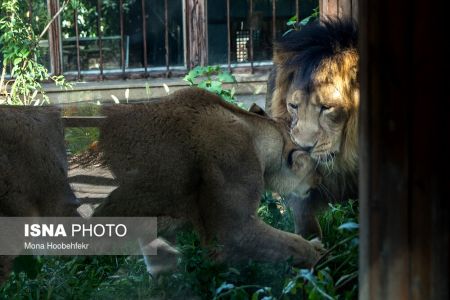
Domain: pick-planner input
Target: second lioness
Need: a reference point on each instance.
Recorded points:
(195, 157)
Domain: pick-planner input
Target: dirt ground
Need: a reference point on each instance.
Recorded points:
(90, 180)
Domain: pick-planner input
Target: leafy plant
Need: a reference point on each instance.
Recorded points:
(294, 24)
(334, 276)
(212, 78)
(78, 139)
(78, 277)
(20, 50)
(275, 213)
(198, 275)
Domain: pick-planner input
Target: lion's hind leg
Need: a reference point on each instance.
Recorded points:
(136, 199)
(133, 198)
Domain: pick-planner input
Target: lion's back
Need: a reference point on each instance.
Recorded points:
(169, 140)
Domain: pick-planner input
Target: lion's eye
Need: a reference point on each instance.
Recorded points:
(325, 107)
(293, 106)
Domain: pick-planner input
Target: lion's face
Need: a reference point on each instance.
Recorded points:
(319, 112)
(317, 120)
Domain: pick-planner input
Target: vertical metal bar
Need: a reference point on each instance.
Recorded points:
(144, 35)
(77, 42)
(166, 35)
(187, 32)
(297, 10)
(30, 11)
(122, 48)
(228, 36)
(204, 26)
(251, 36)
(274, 21)
(99, 34)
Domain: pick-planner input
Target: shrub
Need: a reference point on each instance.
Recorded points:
(116, 277)
(212, 78)
(19, 48)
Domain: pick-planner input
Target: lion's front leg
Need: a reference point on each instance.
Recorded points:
(304, 210)
(232, 219)
(261, 242)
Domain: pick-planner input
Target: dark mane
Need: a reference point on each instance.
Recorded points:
(317, 41)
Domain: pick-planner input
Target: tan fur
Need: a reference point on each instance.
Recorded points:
(33, 163)
(33, 167)
(194, 157)
(341, 71)
(335, 85)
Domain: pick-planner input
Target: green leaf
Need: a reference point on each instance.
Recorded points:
(17, 61)
(204, 84)
(223, 287)
(349, 226)
(226, 77)
(290, 288)
(290, 23)
(305, 21)
(216, 86)
(287, 31)
(293, 19)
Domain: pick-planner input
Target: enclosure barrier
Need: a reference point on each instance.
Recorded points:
(94, 121)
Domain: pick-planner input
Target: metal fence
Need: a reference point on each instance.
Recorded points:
(195, 28)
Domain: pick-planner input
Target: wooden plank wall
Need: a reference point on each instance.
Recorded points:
(404, 250)
(197, 35)
(339, 8)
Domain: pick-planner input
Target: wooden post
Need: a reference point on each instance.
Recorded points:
(54, 34)
(197, 31)
(345, 7)
(338, 8)
(404, 236)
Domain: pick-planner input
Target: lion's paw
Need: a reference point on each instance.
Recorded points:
(318, 245)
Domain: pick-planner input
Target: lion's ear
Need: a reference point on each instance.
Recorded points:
(256, 109)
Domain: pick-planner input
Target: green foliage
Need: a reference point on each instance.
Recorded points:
(294, 24)
(201, 276)
(78, 139)
(275, 213)
(19, 48)
(82, 277)
(340, 229)
(335, 275)
(198, 275)
(87, 18)
(212, 78)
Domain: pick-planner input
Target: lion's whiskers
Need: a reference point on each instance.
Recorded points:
(317, 164)
(327, 191)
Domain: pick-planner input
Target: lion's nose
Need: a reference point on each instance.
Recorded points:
(308, 147)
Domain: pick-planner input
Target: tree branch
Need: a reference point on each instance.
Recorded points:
(53, 19)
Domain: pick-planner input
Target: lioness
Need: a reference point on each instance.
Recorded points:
(314, 88)
(195, 157)
(33, 167)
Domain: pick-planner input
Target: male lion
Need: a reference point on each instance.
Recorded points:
(195, 157)
(314, 88)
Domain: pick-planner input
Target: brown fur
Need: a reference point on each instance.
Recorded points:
(322, 112)
(33, 167)
(194, 157)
